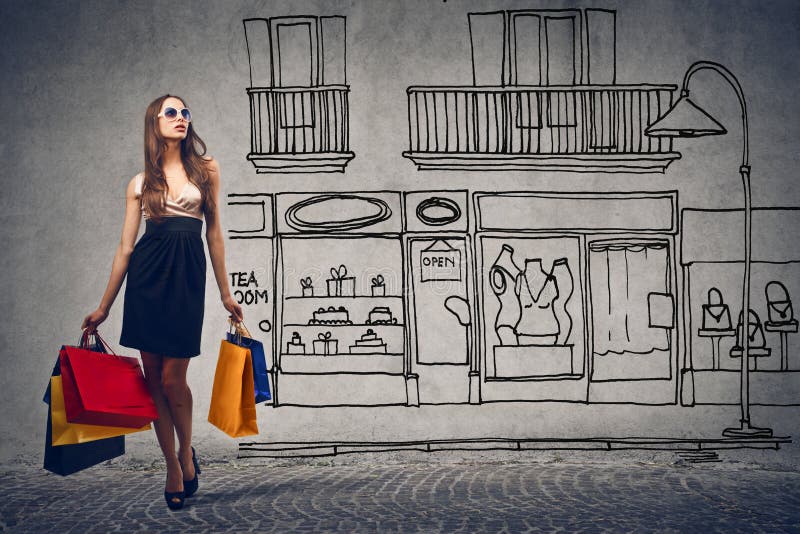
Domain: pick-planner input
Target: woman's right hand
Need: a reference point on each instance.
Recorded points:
(93, 320)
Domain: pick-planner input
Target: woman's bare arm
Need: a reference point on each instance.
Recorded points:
(130, 229)
(216, 247)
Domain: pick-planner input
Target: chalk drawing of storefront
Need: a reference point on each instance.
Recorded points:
(467, 295)
(578, 293)
(349, 331)
(377, 301)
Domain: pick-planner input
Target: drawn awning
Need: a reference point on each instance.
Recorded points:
(718, 235)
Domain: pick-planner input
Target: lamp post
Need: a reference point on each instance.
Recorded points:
(686, 119)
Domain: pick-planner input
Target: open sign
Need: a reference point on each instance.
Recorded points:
(440, 261)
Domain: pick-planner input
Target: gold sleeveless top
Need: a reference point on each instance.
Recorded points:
(188, 204)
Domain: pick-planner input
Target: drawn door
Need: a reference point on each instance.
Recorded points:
(441, 309)
(632, 317)
(296, 65)
(295, 58)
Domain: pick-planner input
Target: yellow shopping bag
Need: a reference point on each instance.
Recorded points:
(65, 433)
(233, 403)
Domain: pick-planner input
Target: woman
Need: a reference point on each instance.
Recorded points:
(166, 270)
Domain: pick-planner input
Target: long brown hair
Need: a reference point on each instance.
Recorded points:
(193, 150)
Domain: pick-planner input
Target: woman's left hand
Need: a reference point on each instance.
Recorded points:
(234, 308)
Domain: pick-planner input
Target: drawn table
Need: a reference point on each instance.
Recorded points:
(715, 336)
(784, 329)
(753, 352)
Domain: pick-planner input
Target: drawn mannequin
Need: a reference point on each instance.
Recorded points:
(565, 285)
(536, 291)
(503, 276)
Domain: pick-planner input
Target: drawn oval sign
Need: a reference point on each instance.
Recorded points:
(335, 213)
(436, 211)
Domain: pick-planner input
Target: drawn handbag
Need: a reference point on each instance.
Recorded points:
(779, 305)
(755, 332)
(716, 314)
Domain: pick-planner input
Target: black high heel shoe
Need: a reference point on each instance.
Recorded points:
(190, 486)
(175, 499)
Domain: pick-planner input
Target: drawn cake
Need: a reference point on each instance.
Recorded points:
(331, 315)
(369, 343)
(381, 315)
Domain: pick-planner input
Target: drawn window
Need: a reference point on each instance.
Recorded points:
(546, 50)
(295, 51)
(532, 307)
(626, 280)
(545, 47)
(527, 57)
(560, 39)
(295, 55)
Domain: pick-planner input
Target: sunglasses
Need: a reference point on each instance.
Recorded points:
(172, 114)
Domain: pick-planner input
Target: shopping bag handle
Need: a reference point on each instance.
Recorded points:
(239, 330)
(240, 327)
(99, 343)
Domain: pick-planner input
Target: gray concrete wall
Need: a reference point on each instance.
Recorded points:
(78, 75)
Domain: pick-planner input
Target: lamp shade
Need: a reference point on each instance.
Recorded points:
(685, 119)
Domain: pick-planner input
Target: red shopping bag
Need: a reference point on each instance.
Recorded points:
(104, 389)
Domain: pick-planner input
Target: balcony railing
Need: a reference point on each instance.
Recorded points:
(576, 128)
(299, 129)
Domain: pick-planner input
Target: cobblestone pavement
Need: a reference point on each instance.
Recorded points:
(409, 498)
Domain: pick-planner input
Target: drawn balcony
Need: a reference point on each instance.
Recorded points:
(299, 129)
(578, 128)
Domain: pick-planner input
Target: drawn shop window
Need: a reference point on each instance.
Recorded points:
(533, 313)
(717, 337)
(342, 307)
(632, 309)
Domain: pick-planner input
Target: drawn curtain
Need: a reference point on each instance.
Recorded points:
(622, 276)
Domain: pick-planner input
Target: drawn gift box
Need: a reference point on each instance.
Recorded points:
(341, 285)
(296, 345)
(325, 345)
(378, 286)
(308, 288)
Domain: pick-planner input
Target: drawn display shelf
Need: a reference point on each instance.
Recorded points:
(304, 311)
(384, 363)
(327, 297)
(359, 325)
(383, 342)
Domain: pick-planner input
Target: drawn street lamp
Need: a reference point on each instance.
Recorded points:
(686, 119)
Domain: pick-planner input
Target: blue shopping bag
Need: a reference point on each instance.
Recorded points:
(260, 373)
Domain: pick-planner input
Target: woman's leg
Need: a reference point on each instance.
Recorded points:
(179, 397)
(164, 426)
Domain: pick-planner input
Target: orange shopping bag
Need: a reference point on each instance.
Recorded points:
(233, 403)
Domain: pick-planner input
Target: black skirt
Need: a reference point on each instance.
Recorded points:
(165, 291)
